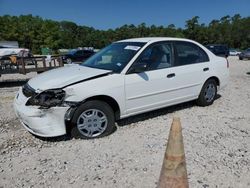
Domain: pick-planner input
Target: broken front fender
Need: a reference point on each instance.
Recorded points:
(41, 122)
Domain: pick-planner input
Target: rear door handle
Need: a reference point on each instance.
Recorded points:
(206, 69)
(171, 75)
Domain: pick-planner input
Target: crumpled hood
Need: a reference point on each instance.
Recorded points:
(61, 77)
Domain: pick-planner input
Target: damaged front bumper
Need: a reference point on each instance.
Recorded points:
(41, 122)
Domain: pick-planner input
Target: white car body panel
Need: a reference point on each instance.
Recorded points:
(234, 53)
(134, 93)
(111, 85)
(63, 76)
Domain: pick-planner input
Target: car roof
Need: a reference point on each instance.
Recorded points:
(153, 39)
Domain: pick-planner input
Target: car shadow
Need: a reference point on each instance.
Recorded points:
(13, 83)
(159, 112)
(54, 139)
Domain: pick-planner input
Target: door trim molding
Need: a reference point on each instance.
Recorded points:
(164, 91)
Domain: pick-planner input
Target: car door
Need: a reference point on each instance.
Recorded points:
(154, 87)
(86, 54)
(175, 77)
(79, 55)
(192, 68)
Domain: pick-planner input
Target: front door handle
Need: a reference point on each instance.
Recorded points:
(171, 75)
(206, 69)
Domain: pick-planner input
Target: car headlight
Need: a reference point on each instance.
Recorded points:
(48, 98)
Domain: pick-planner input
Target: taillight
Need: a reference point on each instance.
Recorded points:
(227, 63)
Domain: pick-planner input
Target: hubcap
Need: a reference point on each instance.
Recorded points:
(69, 61)
(91, 123)
(210, 92)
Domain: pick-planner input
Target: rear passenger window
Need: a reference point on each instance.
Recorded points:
(189, 53)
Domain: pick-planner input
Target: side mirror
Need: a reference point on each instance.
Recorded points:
(138, 68)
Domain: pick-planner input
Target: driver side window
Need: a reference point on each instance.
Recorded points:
(156, 56)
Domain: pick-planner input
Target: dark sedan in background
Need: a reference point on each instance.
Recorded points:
(245, 54)
(77, 56)
(219, 49)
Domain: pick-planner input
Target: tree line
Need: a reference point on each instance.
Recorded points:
(34, 32)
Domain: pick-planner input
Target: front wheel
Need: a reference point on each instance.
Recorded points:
(69, 60)
(208, 93)
(93, 119)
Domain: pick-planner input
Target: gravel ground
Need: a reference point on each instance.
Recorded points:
(217, 146)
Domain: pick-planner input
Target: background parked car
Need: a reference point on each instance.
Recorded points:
(245, 54)
(77, 55)
(234, 52)
(219, 49)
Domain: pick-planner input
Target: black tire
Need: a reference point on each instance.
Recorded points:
(203, 100)
(240, 58)
(100, 106)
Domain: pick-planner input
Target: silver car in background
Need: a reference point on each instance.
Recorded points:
(245, 54)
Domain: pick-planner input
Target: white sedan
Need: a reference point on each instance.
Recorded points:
(233, 52)
(125, 78)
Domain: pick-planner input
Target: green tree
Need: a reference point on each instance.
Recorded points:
(33, 32)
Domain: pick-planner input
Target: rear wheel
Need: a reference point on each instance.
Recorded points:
(208, 93)
(93, 119)
(240, 58)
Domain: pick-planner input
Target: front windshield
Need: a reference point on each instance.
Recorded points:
(114, 57)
